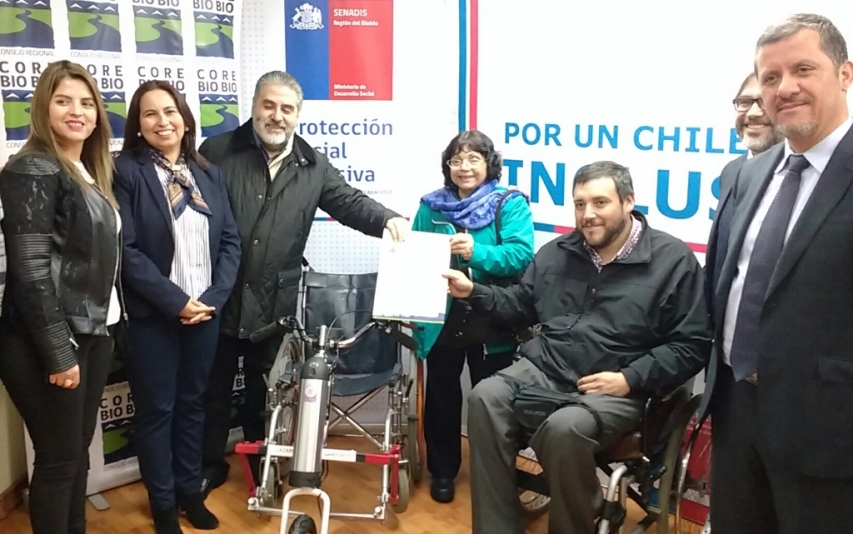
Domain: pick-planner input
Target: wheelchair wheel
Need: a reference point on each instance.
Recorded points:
(403, 489)
(283, 386)
(412, 450)
(303, 524)
(693, 483)
(419, 411)
(668, 487)
(534, 504)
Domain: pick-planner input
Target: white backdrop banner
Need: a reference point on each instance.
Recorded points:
(189, 43)
(578, 82)
(122, 43)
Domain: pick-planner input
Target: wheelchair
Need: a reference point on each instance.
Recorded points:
(648, 465)
(310, 371)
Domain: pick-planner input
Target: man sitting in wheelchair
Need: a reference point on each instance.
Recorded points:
(622, 315)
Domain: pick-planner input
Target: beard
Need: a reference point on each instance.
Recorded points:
(798, 130)
(805, 129)
(610, 234)
(760, 144)
(271, 139)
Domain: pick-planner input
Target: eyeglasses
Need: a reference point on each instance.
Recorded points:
(456, 163)
(744, 103)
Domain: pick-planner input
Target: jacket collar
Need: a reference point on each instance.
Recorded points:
(244, 136)
(642, 253)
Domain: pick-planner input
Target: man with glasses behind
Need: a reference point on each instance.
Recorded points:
(757, 134)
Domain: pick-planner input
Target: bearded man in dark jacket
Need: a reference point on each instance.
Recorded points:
(622, 312)
(276, 182)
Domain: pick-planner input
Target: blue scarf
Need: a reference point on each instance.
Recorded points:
(472, 213)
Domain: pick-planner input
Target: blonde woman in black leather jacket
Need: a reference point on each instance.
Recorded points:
(62, 238)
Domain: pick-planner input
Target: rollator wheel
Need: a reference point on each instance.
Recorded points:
(403, 491)
(303, 524)
(272, 491)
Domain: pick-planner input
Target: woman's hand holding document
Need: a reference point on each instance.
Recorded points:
(410, 284)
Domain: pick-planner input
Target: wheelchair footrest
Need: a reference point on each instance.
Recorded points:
(531, 482)
(614, 512)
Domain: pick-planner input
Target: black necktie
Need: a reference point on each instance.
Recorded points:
(762, 262)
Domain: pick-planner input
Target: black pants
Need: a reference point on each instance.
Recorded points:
(748, 495)
(443, 405)
(258, 359)
(167, 368)
(61, 423)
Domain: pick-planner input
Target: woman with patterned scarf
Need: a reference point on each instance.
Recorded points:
(181, 255)
(465, 209)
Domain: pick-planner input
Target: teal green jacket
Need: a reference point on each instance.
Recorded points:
(488, 260)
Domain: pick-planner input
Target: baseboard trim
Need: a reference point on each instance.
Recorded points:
(12, 497)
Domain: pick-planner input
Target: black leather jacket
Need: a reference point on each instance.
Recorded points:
(63, 256)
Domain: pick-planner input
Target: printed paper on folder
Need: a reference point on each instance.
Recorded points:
(409, 284)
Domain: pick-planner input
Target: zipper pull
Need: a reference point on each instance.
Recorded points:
(74, 343)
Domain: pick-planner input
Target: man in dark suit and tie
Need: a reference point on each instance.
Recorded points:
(757, 133)
(781, 382)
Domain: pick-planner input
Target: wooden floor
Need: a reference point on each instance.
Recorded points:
(352, 488)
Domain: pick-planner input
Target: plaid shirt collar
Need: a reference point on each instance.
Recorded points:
(627, 247)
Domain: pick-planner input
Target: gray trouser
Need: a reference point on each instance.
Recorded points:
(565, 446)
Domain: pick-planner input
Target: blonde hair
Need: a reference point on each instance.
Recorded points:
(96, 157)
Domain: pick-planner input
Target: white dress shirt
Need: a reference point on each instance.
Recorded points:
(818, 157)
(191, 266)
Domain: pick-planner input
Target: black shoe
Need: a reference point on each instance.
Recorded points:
(208, 485)
(442, 490)
(197, 513)
(212, 479)
(166, 521)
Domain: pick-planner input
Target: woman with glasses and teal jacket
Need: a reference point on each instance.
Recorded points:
(465, 209)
